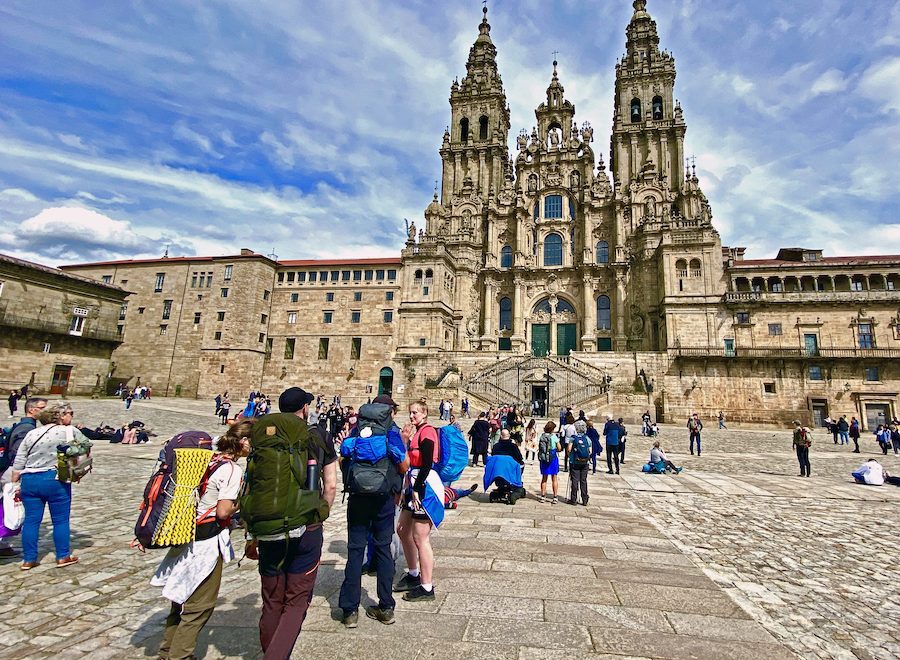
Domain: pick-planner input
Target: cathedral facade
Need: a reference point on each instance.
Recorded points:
(543, 276)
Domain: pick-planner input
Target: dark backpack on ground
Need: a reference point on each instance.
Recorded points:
(581, 449)
(275, 499)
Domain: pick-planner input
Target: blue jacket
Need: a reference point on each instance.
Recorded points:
(504, 468)
(611, 431)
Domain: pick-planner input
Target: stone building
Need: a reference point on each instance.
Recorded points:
(57, 330)
(542, 277)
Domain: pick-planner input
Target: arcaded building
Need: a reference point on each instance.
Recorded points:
(543, 275)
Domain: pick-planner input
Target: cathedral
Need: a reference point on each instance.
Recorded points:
(547, 277)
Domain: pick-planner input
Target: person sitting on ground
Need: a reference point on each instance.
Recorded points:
(451, 495)
(657, 456)
(870, 473)
(506, 447)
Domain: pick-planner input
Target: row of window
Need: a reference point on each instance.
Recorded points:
(290, 345)
(355, 316)
(604, 313)
(199, 279)
(301, 277)
(864, 332)
(553, 252)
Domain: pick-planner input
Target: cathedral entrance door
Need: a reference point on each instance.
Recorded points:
(566, 338)
(539, 397)
(540, 339)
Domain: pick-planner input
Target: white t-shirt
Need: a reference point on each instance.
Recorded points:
(224, 484)
(569, 432)
(872, 473)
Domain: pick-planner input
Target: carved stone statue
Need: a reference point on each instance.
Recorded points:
(554, 138)
(522, 141)
(574, 179)
(650, 208)
(412, 231)
(532, 183)
(587, 133)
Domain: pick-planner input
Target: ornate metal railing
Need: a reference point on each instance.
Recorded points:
(568, 381)
(782, 352)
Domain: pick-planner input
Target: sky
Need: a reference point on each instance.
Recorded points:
(311, 129)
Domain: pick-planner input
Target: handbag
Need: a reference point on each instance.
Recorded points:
(13, 511)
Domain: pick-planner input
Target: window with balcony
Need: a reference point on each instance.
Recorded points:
(777, 287)
(729, 348)
(505, 314)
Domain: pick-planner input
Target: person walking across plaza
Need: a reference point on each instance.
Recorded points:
(566, 433)
(611, 433)
(418, 514)
(480, 437)
(191, 574)
(284, 516)
(623, 438)
(722, 420)
(35, 466)
(843, 429)
(853, 432)
(14, 397)
(580, 462)
(695, 426)
(802, 443)
(548, 457)
(375, 462)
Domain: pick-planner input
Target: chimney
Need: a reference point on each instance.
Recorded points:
(246, 252)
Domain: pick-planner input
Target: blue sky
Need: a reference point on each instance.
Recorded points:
(312, 128)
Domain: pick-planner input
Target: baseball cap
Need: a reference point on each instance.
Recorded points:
(385, 399)
(293, 399)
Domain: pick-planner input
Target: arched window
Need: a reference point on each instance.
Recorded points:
(418, 277)
(604, 316)
(657, 107)
(681, 268)
(635, 110)
(505, 314)
(553, 206)
(695, 269)
(483, 128)
(602, 252)
(429, 276)
(506, 257)
(553, 251)
(464, 130)
(563, 306)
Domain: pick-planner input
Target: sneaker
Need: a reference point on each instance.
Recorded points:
(350, 619)
(407, 583)
(8, 552)
(610, 472)
(418, 593)
(555, 500)
(542, 499)
(386, 616)
(66, 561)
(28, 565)
(678, 470)
(474, 488)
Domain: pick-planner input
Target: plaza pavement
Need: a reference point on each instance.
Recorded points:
(735, 558)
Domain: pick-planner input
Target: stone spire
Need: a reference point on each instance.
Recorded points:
(481, 67)
(643, 40)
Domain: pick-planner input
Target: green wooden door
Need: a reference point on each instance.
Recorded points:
(566, 338)
(540, 339)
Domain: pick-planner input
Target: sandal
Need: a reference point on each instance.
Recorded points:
(66, 561)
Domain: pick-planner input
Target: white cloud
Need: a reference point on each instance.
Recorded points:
(881, 82)
(829, 82)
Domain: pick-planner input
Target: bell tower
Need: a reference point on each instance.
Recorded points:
(648, 126)
(475, 144)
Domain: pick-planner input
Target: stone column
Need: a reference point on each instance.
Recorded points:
(635, 159)
(621, 342)
(457, 171)
(482, 174)
(552, 347)
(589, 320)
(665, 164)
(488, 338)
(518, 338)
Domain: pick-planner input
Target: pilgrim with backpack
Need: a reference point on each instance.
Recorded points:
(580, 451)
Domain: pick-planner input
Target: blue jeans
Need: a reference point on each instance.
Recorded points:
(845, 437)
(368, 515)
(695, 436)
(38, 489)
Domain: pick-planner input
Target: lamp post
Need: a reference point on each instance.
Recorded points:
(547, 400)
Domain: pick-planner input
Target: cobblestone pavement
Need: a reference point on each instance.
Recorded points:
(741, 560)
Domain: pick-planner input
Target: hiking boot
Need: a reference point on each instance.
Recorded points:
(386, 616)
(407, 583)
(350, 619)
(417, 594)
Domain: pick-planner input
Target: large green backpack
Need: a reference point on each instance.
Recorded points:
(274, 500)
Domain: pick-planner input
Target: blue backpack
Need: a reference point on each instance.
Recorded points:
(581, 451)
(454, 454)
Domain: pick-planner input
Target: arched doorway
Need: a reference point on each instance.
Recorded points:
(386, 381)
(554, 323)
